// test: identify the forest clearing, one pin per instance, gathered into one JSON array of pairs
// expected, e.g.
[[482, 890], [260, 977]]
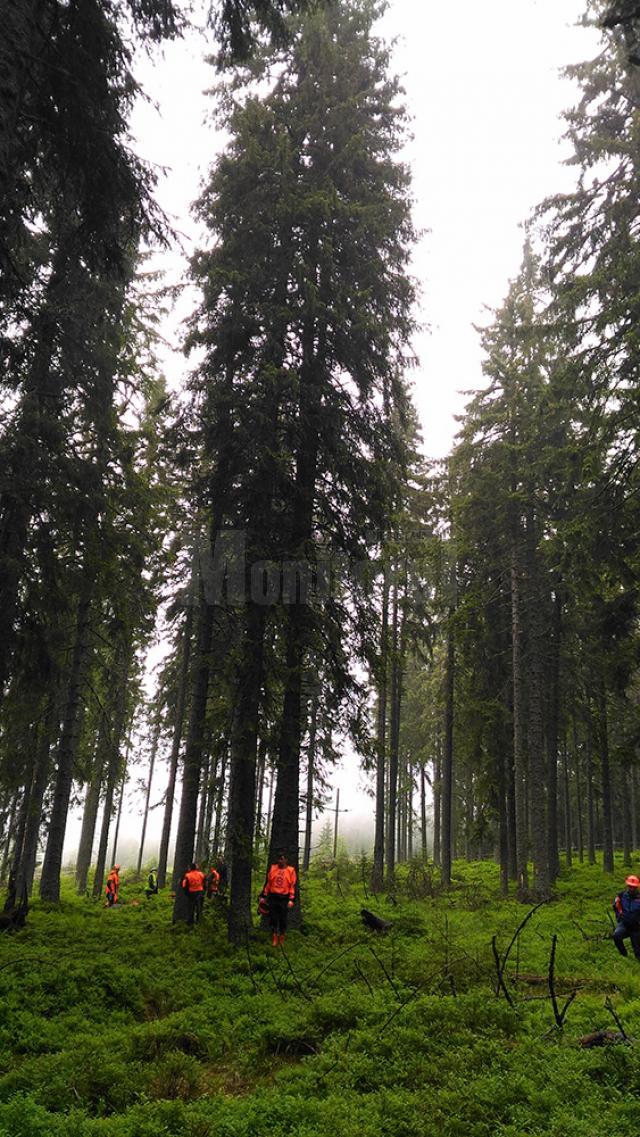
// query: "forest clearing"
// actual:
[[115, 1023]]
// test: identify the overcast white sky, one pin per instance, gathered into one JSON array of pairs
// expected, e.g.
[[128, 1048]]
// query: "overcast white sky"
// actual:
[[483, 87]]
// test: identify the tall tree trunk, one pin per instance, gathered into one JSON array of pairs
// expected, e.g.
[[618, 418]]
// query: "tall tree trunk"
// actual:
[[568, 839], [211, 801], [242, 789], [625, 810], [552, 739], [147, 797], [634, 806], [590, 779], [26, 869], [437, 801], [535, 734], [605, 774], [10, 836], [392, 782], [579, 806], [67, 747], [377, 874], [185, 837], [175, 748], [423, 812], [116, 715], [300, 618], [90, 816], [311, 761], [116, 835], [220, 799], [447, 760], [519, 743], [205, 794]]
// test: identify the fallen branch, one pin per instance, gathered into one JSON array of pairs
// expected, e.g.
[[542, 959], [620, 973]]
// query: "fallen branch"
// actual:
[[386, 973], [558, 1014], [295, 977], [256, 988], [502, 963], [612, 1011], [500, 973]]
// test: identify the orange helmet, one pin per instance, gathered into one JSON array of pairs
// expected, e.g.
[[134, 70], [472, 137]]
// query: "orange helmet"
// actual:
[[633, 881]]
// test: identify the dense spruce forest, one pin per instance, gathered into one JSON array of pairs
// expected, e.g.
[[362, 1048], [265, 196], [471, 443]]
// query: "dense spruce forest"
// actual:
[[467, 627], [470, 625]]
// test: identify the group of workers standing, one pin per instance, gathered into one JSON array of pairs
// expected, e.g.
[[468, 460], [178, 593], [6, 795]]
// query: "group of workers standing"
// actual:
[[278, 896], [196, 885], [276, 899]]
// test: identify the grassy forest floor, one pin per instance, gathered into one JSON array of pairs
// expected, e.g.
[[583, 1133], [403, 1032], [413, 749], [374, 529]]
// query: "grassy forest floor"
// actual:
[[112, 1022]]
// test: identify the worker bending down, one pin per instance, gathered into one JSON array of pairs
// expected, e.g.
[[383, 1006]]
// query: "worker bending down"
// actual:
[[113, 886], [627, 909], [280, 891]]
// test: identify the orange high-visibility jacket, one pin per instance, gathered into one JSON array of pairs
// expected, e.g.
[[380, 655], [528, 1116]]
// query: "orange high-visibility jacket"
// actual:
[[113, 881], [193, 880], [214, 879], [281, 881]]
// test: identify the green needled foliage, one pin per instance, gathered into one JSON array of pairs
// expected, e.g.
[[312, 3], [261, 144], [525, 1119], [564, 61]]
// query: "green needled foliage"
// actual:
[[304, 326]]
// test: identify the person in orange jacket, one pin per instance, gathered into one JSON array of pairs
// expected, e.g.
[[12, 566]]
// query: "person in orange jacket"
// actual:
[[212, 882], [280, 891], [113, 886], [193, 887]]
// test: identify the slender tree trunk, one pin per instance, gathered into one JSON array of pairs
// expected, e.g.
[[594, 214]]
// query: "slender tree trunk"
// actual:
[[115, 716], [625, 810], [377, 874], [242, 790], [147, 798], [52, 865], [175, 748], [90, 817], [519, 745], [26, 869], [423, 812], [552, 740], [579, 806], [437, 802], [590, 778], [311, 761], [447, 762], [220, 799], [392, 803], [205, 794], [211, 801], [535, 735], [634, 807], [116, 835], [568, 839], [605, 773], [10, 836], [185, 837]]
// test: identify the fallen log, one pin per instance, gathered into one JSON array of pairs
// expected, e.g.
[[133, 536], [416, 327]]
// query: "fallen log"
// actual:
[[370, 920], [602, 1038]]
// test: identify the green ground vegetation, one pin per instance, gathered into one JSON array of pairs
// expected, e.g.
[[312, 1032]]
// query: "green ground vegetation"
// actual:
[[115, 1023]]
